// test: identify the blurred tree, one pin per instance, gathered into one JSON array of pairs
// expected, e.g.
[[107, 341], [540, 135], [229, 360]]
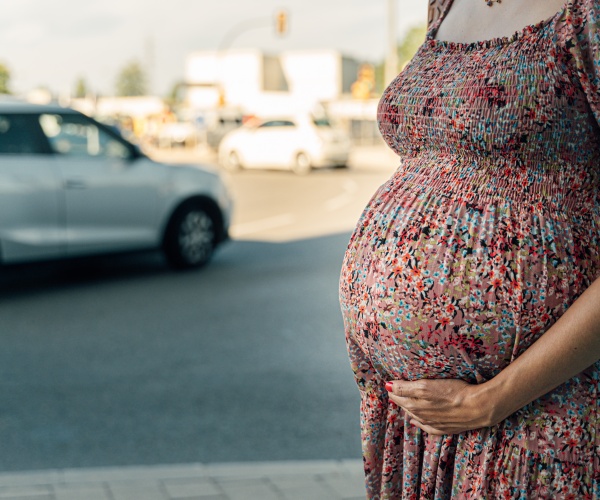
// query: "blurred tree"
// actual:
[[175, 96], [132, 81], [410, 44], [407, 48], [4, 79], [81, 88]]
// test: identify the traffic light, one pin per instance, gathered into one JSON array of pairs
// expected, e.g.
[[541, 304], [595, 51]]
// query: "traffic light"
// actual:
[[281, 22], [363, 87]]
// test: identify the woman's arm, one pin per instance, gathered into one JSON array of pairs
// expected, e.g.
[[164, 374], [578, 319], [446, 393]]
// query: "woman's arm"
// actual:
[[570, 346]]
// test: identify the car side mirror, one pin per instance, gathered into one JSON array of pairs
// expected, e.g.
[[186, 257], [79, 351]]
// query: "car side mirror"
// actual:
[[135, 153]]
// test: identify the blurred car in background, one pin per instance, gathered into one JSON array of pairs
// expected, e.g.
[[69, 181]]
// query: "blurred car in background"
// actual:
[[221, 123], [297, 143], [177, 134], [70, 186]]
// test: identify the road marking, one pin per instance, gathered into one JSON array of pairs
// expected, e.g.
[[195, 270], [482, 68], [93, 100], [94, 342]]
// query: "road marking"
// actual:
[[350, 188], [256, 226]]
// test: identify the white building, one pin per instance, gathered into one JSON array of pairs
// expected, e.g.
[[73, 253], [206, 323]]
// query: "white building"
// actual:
[[262, 84]]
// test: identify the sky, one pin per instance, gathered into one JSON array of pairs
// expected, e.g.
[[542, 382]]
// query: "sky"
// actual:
[[52, 43]]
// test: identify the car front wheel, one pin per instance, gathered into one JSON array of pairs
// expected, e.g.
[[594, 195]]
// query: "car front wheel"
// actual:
[[191, 237], [232, 161], [302, 164]]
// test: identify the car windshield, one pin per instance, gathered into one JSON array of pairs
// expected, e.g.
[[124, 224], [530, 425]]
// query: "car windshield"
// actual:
[[321, 122]]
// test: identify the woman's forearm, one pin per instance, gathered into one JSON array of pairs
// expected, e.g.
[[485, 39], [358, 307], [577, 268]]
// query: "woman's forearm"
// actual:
[[570, 346]]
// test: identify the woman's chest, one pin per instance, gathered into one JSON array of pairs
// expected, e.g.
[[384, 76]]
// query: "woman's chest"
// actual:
[[512, 97]]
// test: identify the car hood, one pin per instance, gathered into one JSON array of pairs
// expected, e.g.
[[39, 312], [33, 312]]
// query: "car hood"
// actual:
[[193, 169]]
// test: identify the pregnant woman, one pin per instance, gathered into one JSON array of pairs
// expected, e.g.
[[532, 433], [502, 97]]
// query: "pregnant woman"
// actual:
[[470, 290]]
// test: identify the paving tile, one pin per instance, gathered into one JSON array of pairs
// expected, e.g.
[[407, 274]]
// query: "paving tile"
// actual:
[[271, 469], [100, 474], [249, 489], [137, 490], [346, 485], [81, 492], [37, 497], [303, 488], [30, 478], [353, 466], [191, 488], [25, 492], [210, 497]]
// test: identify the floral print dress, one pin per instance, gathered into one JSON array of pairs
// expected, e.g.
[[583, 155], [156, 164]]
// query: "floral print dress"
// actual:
[[483, 237]]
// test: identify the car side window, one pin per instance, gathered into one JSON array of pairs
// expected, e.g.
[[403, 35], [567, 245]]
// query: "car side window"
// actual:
[[321, 122], [20, 134], [278, 123], [75, 135]]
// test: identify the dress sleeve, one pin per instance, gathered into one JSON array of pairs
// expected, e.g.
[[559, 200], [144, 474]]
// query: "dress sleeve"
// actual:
[[583, 20]]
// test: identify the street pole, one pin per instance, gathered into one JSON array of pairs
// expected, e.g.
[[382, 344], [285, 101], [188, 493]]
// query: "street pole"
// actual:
[[227, 42], [391, 61]]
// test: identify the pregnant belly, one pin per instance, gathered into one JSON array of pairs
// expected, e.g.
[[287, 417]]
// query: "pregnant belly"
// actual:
[[434, 288]]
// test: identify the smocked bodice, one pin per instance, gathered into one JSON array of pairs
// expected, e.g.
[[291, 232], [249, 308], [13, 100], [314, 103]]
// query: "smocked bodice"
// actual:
[[516, 114]]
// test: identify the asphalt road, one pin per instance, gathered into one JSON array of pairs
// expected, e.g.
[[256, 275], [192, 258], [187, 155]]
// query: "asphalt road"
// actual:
[[120, 361]]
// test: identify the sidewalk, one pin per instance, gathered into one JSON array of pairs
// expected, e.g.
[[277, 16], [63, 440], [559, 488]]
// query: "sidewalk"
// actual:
[[293, 480]]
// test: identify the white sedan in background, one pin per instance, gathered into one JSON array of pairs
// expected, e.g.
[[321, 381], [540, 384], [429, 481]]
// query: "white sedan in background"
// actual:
[[70, 186], [291, 143]]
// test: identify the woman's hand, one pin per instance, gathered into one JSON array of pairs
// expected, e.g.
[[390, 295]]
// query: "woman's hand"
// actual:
[[449, 406], [444, 406]]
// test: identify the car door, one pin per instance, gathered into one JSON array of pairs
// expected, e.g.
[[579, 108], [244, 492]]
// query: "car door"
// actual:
[[253, 144], [273, 143], [111, 194], [31, 216], [287, 144]]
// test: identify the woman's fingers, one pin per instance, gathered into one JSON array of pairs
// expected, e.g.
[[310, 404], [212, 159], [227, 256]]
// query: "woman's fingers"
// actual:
[[405, 389], [427, 423], [443, 406]]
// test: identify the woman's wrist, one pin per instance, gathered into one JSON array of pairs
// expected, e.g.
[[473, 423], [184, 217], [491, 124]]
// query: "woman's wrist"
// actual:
[[495, 400]]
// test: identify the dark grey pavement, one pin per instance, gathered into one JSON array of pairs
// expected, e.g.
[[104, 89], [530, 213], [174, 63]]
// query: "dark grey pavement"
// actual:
[[123, 362]]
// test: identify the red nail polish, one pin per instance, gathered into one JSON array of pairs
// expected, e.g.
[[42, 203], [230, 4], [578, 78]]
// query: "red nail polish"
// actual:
[[389, 387]]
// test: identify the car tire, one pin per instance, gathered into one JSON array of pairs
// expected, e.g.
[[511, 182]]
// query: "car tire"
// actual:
[[232, 161], [302, 164], [191, 237]]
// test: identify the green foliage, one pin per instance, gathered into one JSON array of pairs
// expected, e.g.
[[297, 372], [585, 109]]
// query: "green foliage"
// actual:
[[407, 48], [175, 96], [132, 81], [4, 79], [81, 88], [413, 39]]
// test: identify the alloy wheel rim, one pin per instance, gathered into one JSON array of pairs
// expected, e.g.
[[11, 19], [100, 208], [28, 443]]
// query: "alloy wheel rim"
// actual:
[[302, 163], [233, 161], [196, 236]]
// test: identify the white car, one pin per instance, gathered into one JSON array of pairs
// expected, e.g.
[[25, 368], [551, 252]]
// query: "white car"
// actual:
[[70, 186], [297, 143], [177, 134]]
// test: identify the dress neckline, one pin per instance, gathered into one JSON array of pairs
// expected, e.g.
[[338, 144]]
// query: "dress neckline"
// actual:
[[491, 42]]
